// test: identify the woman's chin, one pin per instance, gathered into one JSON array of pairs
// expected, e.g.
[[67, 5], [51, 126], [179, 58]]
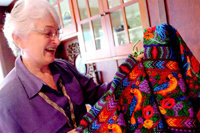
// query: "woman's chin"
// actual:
[[50, 59]]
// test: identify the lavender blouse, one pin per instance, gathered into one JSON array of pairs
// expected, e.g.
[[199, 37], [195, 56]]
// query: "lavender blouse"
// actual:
[[23, 110]]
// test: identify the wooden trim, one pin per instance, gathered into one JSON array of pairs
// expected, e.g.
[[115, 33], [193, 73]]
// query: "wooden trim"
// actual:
[[74, 24], [76, 11], [89, 19], [57, 2], [157, 11], [105, 3], [92, 34], [130, 2], [101, 8], [125, 23], [88, 9], [90, 23], [162, 11], [59, 9], [144, 13], [110, 33], [66, 37], [72, 12]]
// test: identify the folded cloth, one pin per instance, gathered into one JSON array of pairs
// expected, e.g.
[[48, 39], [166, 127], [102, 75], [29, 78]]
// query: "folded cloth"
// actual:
[[159, 94]]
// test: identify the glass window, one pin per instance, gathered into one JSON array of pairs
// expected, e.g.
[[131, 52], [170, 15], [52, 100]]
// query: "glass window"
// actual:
[[82, 9], [98, 33], [94, 7], [134, 22], [87, 37], [57, 10], [127, 1], [113, 3], [66, 14], [52, 1], [118, 28]]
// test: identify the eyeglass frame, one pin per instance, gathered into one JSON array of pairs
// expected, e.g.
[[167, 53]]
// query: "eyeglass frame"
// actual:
[[53, 34]]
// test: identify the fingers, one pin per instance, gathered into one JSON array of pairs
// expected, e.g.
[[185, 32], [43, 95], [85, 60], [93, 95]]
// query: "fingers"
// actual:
[[140, 57], [72, 131]]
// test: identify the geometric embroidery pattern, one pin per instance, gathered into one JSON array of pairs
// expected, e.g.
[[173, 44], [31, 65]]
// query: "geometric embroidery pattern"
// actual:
[[159, 94], [161, 64]]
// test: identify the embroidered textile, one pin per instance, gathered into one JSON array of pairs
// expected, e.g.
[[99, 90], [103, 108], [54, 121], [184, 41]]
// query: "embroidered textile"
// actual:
[[159, 94]]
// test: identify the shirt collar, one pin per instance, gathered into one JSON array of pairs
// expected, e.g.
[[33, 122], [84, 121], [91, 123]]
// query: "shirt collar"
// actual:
[[31, 83]]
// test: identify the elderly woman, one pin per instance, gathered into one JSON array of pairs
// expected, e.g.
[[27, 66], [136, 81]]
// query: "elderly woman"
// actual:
[[41, 93]]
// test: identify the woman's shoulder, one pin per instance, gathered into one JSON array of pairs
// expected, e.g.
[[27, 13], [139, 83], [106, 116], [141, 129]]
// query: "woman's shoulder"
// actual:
[[9, 83], [62, 62], [11, 90], [66, 66]]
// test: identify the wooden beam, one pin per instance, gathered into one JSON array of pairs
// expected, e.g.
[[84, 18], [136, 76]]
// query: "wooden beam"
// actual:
[[157, 12], [162, 11]]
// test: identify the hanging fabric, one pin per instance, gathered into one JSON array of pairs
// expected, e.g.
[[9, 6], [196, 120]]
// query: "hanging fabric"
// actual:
[[159, 94]]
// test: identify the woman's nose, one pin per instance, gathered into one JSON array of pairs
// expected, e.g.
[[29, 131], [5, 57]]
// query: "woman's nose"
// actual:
[[56, 40]]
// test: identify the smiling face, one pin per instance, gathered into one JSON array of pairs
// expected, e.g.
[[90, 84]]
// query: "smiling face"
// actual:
[[38, 48]]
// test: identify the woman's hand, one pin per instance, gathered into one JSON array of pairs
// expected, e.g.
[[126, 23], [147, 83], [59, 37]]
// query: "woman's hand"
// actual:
[[140, 57], [72, 131]]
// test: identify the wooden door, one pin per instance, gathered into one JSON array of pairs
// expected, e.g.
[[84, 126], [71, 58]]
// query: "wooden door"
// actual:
[[93, 35], [126, 20]]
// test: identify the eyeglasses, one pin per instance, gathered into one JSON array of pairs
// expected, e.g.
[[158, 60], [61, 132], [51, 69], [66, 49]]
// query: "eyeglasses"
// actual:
[[50, 32]]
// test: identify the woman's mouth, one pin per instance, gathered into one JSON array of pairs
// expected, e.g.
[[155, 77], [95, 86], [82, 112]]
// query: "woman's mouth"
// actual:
[[50, 50]]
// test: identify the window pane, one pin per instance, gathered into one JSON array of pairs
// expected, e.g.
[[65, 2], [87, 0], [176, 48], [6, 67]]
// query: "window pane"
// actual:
[[98, 33], [134, 22], [127, 1], [66, 14], [94, 7], [113, 3], [87, 37], [118, 28], [82, 9], [57, 10], [52, 1]]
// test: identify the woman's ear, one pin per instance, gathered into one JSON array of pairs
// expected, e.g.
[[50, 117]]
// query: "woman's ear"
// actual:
[[18, 41]]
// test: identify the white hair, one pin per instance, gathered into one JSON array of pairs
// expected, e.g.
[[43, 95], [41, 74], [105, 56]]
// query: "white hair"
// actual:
[[20, 20]]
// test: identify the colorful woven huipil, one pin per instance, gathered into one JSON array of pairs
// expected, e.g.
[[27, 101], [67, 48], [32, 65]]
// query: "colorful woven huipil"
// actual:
[[159, 94]]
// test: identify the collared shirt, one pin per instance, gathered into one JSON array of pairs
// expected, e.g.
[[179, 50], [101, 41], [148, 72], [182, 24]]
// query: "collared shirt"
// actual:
[[23, 110]]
